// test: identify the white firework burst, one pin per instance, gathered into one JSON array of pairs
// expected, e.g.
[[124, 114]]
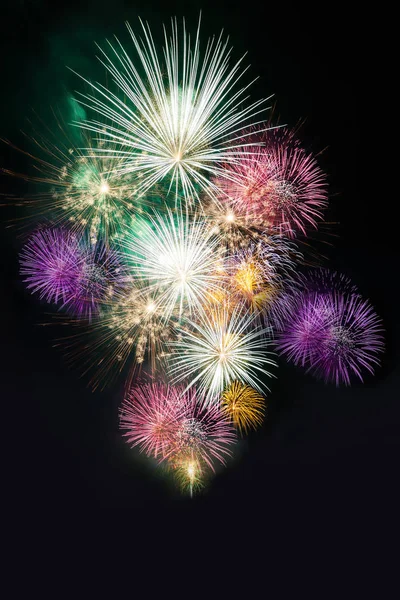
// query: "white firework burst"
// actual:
[[217, 349], [178, 258], [180, 117]]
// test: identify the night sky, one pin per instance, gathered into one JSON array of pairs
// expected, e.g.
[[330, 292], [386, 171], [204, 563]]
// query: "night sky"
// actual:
[[326, 459]]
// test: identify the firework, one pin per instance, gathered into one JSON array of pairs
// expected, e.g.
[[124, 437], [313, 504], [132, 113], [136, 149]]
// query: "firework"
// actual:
[[178, 119], [102, 277], [80, 187], [354, 342], [334, 335], [178, 259], [130, 329], [212, 352], [66, 270], [204, 436], [306, 328], [52, 263], [244, 406], [151, 416], [277, 188]]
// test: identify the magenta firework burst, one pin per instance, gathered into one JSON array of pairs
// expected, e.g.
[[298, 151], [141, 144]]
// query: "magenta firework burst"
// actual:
[[205, 432], [278, 187], [151, 416]]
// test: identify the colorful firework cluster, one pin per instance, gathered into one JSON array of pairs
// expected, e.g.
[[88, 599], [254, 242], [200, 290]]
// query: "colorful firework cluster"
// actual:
[[173, 234]]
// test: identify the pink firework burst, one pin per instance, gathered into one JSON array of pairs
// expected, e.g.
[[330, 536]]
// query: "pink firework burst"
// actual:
[[168, 423], [205, 433], [151, 416], [277, 187]]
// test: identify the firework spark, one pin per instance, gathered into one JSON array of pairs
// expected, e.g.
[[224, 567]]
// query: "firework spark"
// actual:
[[179, 119]]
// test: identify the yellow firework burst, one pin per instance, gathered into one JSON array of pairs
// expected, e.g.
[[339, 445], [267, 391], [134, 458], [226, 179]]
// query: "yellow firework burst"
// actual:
[[244, 405]]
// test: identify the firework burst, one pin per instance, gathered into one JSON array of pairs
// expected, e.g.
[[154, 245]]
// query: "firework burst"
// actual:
[[151, 416], [212, 352], [354, 341], [68, 271], [277, 188], [52, 263], [334, 335], [80, 187], [181, 118], [178, 259], [243, 405]]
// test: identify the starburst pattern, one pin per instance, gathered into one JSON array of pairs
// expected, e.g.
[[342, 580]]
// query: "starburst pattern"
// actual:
[[51, 263], [244, 406], [177, 257], [212, 352], [278, 188], [181, 118]]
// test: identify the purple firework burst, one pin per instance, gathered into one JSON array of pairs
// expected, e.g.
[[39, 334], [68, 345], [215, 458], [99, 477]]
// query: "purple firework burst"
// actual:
[[51, 263], [101, 277], [354, 342], [306, 329], [67, 270], [333, 335]]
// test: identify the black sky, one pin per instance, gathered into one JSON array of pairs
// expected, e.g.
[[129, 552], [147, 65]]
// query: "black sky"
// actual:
[[326, 460]]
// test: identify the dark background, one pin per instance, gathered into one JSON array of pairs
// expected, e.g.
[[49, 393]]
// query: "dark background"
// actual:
[[325, 464]]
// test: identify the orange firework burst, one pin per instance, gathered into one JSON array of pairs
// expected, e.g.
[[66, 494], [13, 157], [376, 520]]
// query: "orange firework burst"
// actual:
[[245, 406]]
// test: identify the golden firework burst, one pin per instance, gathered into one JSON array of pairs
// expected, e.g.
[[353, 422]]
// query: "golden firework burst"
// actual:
[[244, 405]]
